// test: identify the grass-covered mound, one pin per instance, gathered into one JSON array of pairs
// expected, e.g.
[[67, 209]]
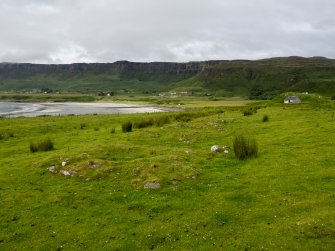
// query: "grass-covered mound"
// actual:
[[102, 191]]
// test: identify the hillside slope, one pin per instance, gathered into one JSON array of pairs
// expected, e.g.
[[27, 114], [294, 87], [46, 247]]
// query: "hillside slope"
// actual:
[[257, 79]]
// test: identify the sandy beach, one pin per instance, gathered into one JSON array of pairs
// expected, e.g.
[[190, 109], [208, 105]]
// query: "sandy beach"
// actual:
[[13, 109]]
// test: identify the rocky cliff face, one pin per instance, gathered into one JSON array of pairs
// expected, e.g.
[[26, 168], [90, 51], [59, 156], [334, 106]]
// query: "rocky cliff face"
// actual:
[[117, 67]]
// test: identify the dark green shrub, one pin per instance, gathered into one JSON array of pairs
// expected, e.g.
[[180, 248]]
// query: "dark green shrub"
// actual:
[[82, 125], [127, 126], [113, 130], [245, 147], [265, 118], [44, 145]]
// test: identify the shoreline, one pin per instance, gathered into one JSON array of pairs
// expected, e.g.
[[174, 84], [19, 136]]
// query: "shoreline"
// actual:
[[36, 109]]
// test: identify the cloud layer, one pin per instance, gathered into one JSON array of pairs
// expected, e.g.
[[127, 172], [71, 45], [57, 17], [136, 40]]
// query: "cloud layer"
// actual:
[[67, 31]]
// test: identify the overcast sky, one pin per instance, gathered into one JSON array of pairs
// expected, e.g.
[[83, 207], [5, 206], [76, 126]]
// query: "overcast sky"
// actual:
[[67, 31]]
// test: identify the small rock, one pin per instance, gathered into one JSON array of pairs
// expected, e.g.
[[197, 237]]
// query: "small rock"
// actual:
[[95, 166], [175, 182], [65, 172], [64, 163], [152, 185], [53, 169], [216, 148], [14, 218], [68, 173], [226, 151]]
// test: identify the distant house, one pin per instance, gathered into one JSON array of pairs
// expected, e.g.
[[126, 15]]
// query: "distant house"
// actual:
[[292, 99]]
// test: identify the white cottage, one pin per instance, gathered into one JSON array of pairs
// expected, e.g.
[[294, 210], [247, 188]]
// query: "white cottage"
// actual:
[[292, 99]]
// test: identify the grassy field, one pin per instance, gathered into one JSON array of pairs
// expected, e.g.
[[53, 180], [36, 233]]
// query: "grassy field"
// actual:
[[282, 199]]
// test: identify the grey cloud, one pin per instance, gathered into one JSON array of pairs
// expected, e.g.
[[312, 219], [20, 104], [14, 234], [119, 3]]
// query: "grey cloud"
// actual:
[[65, 31]]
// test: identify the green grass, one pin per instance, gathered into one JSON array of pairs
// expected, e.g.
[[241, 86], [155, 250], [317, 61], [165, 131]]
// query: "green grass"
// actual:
[[283, 199]]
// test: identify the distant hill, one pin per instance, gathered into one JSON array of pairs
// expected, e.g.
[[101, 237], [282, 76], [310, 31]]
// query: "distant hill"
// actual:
[[257, 79]]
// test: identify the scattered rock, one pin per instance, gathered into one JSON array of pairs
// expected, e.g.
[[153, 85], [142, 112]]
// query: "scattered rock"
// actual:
[[53, 169], [14, 218], [216, 148], [65, 172], [64, 163], [68, 173], [175, 182], [152, 185], [95, 166]]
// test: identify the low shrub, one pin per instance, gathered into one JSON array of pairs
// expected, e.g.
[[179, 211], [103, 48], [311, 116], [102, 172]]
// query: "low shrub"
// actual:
[[247, 112], [113, 130], [127, 126], [250, 111], [265, 118], [143, 123], [44, 145], [245, 147], [82, 125], [161, 120]]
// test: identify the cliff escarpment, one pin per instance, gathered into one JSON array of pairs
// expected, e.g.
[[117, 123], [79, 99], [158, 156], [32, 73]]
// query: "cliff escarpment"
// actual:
[[258, 79]]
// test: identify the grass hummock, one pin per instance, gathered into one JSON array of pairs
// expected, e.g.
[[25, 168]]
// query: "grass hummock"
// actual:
[[44, 145], [245, 147]]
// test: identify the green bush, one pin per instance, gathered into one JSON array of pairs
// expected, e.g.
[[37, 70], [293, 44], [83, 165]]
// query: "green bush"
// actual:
[[265, 118], [44, 145], [245, 147], [113, 130], [127, 126]]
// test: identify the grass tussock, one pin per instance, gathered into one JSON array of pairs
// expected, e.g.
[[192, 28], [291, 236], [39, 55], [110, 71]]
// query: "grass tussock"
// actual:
[[250, 111], [142, 123], [127, 126], [42, 146], [245, 147], [265, 118]]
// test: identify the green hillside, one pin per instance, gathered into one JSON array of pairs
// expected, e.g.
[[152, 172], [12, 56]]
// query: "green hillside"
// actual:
[[256, 79]]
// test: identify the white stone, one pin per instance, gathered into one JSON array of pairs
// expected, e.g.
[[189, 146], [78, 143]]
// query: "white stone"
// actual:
[[64, 163], [65, 172], [216, 148], [53, 169], [152, 185]]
